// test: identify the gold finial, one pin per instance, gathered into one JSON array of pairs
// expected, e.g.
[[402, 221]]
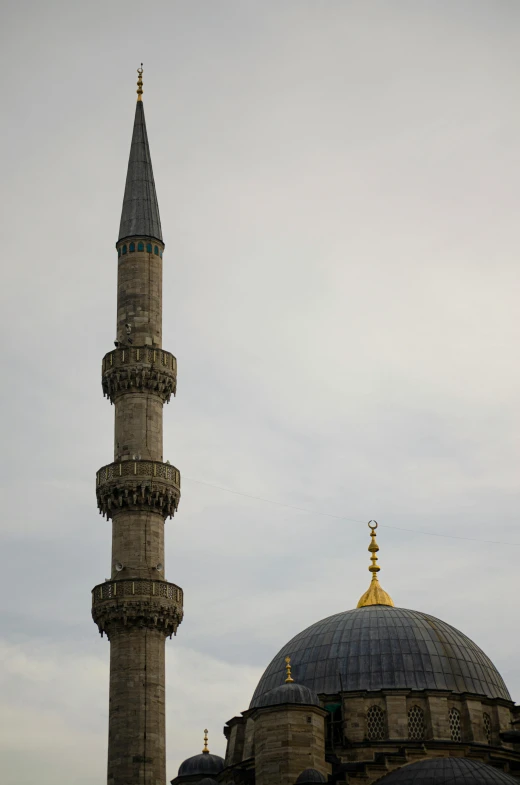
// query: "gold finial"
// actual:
[[375, 594], [205, 750], [139, 90], [289, 679]]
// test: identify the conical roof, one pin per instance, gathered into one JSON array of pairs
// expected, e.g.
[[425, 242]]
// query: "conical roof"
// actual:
[[140, 214]]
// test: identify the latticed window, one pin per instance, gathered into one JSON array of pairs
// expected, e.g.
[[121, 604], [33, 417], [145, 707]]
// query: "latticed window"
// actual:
[[376, 723], [455, 730], [416, 724], [487, 727]]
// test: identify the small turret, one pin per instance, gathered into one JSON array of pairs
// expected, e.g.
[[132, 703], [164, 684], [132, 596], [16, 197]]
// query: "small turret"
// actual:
[[289, 732]]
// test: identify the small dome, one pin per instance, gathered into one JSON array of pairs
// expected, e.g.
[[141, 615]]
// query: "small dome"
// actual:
[[204, 763], [310, 776], [288, 693], [445, 771], [380, 647]]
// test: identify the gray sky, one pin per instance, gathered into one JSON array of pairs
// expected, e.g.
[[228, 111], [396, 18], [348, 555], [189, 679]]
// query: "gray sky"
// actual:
[[339, 193]]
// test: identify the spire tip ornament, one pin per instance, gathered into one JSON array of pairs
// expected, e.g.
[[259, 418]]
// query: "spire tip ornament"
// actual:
[[139, 90], [289, 679], [205, 748], [375, 594]]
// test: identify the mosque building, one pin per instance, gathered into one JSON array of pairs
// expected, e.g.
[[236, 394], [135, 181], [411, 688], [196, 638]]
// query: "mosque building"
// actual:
[[373, 694]]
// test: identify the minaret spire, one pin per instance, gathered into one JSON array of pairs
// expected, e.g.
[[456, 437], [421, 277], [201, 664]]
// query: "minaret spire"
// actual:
[[137, 608], [375, 594], [140, 213]]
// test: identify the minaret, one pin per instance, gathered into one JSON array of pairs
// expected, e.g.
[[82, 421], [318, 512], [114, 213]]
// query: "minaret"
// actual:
[[137, 608]]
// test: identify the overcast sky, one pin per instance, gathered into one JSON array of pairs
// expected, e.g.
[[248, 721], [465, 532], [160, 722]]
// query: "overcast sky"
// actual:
[[339, 192]]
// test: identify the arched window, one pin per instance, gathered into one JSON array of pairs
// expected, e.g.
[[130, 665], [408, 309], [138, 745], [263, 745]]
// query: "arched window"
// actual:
[[132, 247], [455, 730], [140, 247], [487, 727], [149, 247], [160, 254], [376, 723], [124, 248], [156, 250], [416, 724]]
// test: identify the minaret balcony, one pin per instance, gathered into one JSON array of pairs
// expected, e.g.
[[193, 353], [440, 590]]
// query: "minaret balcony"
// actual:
[[138, 601], [138, 484], [141, 368]]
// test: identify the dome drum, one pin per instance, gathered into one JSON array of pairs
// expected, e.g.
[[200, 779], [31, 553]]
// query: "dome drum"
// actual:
[[428, 715]]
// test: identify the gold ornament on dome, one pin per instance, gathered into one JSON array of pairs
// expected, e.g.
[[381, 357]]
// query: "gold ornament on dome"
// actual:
[[205, 748], [289, 679], [375, 595]]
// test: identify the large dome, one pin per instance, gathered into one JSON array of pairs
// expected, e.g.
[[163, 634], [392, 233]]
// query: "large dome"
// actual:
[[448, 771], [380, 647]]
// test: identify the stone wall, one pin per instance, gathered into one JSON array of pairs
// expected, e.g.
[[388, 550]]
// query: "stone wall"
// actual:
[[446, 716], [287, 740]]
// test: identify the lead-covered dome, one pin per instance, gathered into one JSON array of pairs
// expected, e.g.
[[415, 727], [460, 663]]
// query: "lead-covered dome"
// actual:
[[288, 693], [204, 764], [447, 771], [380, 647], [310, 776]]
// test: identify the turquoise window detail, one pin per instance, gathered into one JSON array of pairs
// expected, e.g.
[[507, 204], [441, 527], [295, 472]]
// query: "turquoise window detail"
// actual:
[[124, 248], [160, 254], [140, 247], [132, 247], [149, 247], [156, 251]]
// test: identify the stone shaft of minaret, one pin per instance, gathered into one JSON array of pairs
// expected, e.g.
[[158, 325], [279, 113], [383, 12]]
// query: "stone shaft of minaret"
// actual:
[[137, 608]]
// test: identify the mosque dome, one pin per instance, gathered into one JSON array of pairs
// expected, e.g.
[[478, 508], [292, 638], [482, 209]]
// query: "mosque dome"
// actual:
[[208, 781], [445, 771], [204, 763], [380, 647], [377, 646], [310, 776], [288, 693]]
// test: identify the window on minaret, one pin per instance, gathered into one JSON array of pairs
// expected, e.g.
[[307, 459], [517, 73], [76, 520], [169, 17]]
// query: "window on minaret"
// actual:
[[376, 724], [132, 247], [124, 248], [156, 251], [416, 724], [455, 728], [140, 247], [119, 251], [149, 247]]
